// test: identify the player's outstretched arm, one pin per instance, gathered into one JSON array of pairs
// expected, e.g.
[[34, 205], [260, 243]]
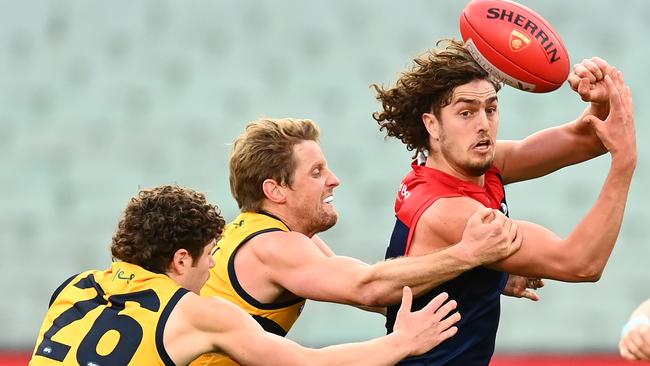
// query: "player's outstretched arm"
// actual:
[[295, 263], [581, 257], [217, 325], [554, 148], [635, 340]]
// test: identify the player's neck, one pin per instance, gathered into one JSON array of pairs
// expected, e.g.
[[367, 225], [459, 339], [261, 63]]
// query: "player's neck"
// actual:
[[443, 165], [289, 220]]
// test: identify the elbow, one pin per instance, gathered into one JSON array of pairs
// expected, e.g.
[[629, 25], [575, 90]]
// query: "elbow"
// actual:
[[591, 273], [371, 296], [589, 276], [374, 292], [578, 267]]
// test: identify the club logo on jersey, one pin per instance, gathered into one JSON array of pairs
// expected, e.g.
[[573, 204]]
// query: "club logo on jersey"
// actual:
[[518, 40], [121, 276]]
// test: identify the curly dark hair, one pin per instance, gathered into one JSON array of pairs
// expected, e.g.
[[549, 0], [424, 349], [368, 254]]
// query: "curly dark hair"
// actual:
[[426, 88], [159, 221]]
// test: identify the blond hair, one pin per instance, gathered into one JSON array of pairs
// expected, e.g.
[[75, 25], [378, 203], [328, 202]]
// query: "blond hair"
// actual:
[[265, 151]]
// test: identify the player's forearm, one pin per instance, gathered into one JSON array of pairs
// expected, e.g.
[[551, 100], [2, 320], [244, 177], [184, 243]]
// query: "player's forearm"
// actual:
[[373, 309], [382, 283], [552, 149], [589, 246], [387, 350], [272, 350], [573, 142]]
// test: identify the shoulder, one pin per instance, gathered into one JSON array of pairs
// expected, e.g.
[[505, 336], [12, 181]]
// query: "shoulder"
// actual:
[[195, 314], [281, 254], [197, 325], [448, 217], [58, 290], [193, 309], [447, 209], [66, 284], [280, 244]]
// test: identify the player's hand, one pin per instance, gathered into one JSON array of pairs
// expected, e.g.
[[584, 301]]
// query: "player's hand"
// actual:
[[635, 344], [424, 329], [588, 80], [490, 236], [617, 132], [518, 286]]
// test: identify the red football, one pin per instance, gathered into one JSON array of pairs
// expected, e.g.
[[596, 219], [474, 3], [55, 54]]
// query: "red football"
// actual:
[[515, 44]]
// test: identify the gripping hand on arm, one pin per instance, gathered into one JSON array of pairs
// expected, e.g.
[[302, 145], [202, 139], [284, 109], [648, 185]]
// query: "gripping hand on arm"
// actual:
[[490, 236]]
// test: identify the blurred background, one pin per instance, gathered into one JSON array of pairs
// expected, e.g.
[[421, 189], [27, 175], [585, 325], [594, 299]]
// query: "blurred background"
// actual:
[[102, 98]]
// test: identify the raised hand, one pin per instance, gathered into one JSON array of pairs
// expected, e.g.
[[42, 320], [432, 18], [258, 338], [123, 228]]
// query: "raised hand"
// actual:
[[588, 80], [424, 329], [617, 132], [635, 344], [635, 339]]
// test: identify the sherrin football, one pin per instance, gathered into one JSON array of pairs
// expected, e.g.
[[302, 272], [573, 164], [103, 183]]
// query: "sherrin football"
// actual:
[[515, 45]]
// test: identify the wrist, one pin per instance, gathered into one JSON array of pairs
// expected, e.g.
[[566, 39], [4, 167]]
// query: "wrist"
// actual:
[[466, 257], [600, 110], [634, 322], [624, 163], [400, 342]]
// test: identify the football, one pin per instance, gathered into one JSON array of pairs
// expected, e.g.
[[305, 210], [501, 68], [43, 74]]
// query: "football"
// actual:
[[515, 45]]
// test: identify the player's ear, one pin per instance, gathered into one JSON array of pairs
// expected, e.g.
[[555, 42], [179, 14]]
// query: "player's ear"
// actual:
[[181, 261], [432, 125], [274, 191]]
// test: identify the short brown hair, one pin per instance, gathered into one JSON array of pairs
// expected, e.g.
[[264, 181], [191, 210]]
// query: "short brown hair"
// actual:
[[426, 87], [159, 221], [265, 151]]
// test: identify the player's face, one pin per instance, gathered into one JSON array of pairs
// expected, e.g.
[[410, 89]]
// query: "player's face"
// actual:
[[468, 128], [312, 193], [199, 272]]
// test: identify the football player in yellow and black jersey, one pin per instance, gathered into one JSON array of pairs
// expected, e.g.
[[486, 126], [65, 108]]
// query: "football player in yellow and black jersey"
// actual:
[[270, 259], [145, 309]]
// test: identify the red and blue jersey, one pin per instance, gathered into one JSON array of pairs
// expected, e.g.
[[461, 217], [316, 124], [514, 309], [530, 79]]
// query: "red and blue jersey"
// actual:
[[477, 291]]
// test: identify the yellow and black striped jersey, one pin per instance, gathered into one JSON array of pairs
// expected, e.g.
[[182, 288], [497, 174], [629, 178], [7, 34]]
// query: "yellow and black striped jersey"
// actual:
[[273, 317], [112, 317]]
